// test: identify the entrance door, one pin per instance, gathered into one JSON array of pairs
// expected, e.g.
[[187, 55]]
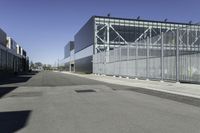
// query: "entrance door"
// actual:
[[72, 68]]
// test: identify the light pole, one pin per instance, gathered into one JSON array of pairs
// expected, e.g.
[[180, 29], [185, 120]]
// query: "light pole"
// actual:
[[58, 64]]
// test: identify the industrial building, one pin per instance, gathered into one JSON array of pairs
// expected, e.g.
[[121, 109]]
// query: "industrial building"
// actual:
[[136, 48], [69, 57], [13, 58]]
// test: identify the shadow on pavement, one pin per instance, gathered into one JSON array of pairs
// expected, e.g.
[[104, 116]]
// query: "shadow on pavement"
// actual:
[[6, 90], [16, 78], [13, 121], [30, 73]]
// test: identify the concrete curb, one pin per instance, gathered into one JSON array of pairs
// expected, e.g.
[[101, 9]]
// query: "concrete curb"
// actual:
[[171, 96]]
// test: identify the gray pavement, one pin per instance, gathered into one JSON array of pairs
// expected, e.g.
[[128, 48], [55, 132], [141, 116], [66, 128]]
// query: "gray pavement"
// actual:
[[186, 93], [49, 102]]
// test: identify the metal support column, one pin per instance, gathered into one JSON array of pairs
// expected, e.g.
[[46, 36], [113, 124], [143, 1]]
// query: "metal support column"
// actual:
[[147, 60], [127, 63], [107, 51], [120, 60], [177, 55], [114, 59], [162, 57], [96, 66], [95, 38], [108, 37], [136, 61]]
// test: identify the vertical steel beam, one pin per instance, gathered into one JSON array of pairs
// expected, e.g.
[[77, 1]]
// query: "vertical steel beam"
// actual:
[[177, 55], [187, 30], [136, 60], [162, 57], [147, 57], [104, 57], [114, 60], [128, 59], [150, 34], [107, 48], [120, 59], [108, 41], [95, 37], [108, 36], [94, 46]]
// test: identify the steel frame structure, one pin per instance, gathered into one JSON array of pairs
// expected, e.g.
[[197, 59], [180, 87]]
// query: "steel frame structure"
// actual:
[[167, 39], [104, 43]]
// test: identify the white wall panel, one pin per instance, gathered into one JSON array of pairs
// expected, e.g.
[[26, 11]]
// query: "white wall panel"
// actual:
[[84, 53]]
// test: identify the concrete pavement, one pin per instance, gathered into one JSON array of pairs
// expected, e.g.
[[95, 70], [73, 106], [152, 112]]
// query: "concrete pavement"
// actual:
[[188, 93], [45, 107]]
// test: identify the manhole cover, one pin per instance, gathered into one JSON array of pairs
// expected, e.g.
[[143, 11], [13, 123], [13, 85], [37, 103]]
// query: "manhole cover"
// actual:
[[85, 91], [25, 94]]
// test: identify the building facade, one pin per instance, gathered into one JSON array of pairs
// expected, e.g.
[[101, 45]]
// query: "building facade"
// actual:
[[139, 48], [68, 61], [13, 58]]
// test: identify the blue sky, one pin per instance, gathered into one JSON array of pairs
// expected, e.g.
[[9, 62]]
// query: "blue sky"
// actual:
[[43, 27]]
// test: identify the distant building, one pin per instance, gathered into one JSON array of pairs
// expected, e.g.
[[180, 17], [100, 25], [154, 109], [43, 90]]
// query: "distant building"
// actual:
[[69, 59]]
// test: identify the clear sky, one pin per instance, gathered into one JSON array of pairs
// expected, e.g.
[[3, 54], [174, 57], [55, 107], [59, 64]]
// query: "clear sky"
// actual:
[[43, 27]]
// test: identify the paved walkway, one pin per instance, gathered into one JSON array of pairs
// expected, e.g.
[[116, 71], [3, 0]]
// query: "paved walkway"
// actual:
[[190, 90]]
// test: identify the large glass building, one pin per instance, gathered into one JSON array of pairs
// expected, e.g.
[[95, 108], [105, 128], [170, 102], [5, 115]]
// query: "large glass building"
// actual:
[[138, 48]]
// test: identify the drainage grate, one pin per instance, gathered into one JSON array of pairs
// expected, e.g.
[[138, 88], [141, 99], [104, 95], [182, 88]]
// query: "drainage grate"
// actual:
[[25, 94], [85, 91]]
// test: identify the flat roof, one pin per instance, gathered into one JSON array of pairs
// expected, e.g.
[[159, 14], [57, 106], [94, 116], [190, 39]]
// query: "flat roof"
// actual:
[[143, 20]]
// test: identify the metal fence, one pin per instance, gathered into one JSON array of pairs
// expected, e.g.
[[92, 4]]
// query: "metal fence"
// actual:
[[172, 55]]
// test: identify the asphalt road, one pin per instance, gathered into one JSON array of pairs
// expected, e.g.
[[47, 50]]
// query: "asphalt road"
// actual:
[[51, 102]]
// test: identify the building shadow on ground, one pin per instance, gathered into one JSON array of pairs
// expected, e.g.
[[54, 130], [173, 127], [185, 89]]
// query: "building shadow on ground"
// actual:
[[13, 121], [6, 90], [20, 78]]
